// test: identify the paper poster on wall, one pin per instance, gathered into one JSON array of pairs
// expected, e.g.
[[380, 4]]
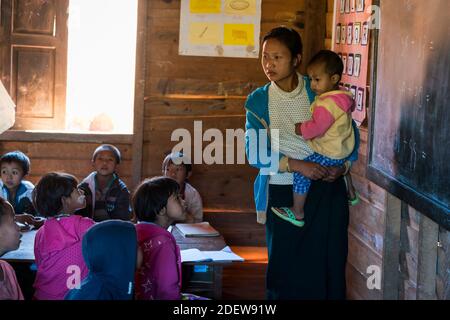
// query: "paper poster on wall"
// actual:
[[220, 28], [351, 41]]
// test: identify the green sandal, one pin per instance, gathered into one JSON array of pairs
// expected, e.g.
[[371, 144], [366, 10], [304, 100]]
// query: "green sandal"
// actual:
[[354, 201], [287, 215]]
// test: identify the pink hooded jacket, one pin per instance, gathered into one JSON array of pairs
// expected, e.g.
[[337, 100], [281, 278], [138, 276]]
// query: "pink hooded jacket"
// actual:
[[57, 247], [159, 278]]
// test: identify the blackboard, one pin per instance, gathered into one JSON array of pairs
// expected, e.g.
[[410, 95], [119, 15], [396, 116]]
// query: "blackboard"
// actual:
[[409, 148]]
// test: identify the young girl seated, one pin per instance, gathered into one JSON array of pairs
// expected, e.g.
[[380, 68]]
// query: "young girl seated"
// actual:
[[57, 246], [111, 255], [9, 241], [156, 203], [178, 166]]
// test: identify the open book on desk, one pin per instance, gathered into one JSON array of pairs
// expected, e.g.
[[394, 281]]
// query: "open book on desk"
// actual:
[[195, 255], [202, 229]]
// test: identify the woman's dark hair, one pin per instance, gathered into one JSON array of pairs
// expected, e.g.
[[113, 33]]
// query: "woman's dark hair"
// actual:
[[151, 197], [110, 148], [333, 64], [289, 37], [18, 157], [50, 190], [4, 205]]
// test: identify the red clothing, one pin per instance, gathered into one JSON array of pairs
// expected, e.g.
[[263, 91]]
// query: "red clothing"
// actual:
[[57, 246], [9, 287], [159, 278]]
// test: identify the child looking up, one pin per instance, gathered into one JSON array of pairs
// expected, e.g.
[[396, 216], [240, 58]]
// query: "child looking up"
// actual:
[[157, 204], [57, 246], [110, 251], [15, 166], [9, 241], [107, 196], [329, 133], [178, 166]]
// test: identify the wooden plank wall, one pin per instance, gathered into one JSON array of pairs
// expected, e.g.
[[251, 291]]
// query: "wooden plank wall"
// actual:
[[182, 89], [70, 157]]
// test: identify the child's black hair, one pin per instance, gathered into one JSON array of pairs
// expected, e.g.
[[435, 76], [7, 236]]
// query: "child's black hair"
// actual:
[[289, 37], [4, 205], [151, 197], [107, 147], [177, 158], [19, 157], [333, 64], [50, 190]]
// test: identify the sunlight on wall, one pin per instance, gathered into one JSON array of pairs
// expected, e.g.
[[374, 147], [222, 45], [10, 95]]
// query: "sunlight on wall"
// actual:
[[101, 65]]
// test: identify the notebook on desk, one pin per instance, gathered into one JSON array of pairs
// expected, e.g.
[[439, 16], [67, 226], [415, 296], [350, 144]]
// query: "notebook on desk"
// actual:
[[202, 229], [195, 255]]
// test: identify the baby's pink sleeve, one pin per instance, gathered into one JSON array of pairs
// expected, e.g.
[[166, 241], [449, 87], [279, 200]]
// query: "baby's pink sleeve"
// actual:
[[321, 121]]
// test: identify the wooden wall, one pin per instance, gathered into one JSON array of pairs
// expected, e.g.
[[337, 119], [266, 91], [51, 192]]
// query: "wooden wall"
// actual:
[[65, 154]]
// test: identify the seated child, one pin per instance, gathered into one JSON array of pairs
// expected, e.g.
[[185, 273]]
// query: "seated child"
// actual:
[[329, 133], [9, 241], [177, 166], [107, 196], [15, 166], [57, 245], [110, 251], [157, 204]]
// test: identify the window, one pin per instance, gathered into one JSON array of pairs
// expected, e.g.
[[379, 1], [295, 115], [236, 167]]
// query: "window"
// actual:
[[74, 74]]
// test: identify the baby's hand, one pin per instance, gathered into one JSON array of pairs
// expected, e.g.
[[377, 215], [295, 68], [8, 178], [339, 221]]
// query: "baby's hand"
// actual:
[[298, 130]]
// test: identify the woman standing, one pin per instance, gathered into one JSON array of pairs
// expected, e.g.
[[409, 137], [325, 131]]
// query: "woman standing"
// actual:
[[307, 262]]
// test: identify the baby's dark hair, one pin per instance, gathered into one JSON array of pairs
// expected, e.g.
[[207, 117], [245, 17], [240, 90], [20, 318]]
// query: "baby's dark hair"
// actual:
[[50, 190], [107, 147], [177, 158], [151, 197], [333, 64], [289, 37], [18, 157], [4, 205]]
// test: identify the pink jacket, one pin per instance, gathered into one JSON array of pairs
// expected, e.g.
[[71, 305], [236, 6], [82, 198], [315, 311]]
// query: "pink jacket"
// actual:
[[57, 247], [159, 278], [9, 287]]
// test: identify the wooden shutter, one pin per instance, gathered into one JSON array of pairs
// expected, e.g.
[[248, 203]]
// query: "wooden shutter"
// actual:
[[33, 53]]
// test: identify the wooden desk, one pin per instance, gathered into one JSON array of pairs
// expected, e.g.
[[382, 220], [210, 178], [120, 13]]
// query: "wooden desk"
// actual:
[[202, 278], [25, 253]]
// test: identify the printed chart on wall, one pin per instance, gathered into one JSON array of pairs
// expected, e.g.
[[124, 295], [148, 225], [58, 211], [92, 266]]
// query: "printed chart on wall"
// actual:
[[351, 43], [220, 28]]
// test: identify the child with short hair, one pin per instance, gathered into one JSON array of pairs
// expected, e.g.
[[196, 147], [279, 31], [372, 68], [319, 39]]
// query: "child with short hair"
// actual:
[[107, 196], [157, 204], [9, 241], [15, 166], [178, 166], [57, 245], [110, 250], [330, 132]]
